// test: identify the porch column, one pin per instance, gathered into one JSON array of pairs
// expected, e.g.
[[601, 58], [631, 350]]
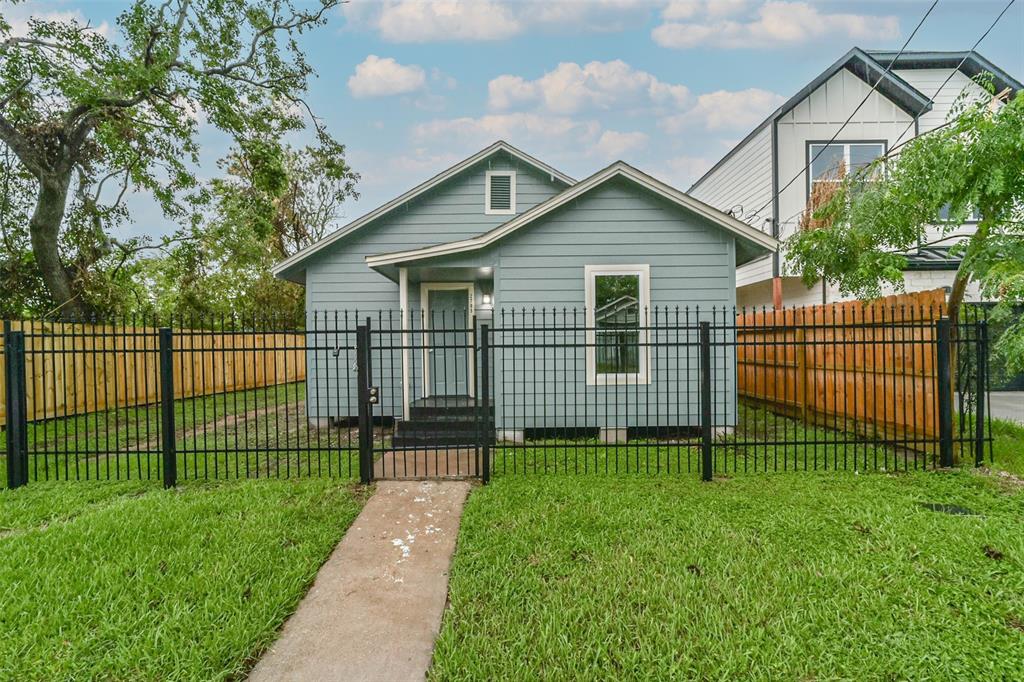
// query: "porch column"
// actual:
[[403, 303]]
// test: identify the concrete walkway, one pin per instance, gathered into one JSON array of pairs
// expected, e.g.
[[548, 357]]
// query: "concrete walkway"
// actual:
[[376, 605]]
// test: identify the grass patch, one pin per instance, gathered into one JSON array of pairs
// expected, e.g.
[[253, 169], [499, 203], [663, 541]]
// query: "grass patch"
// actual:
[[843, 576], [1008, 446], [124, 580]]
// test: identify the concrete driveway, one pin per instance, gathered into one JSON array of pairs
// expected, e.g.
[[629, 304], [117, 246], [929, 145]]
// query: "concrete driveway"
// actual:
[[1008, 405]]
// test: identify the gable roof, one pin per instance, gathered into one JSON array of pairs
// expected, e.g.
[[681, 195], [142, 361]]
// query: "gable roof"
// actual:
[[869, 65], [860, 64], [970, 63], [289, 265], [761, 242]]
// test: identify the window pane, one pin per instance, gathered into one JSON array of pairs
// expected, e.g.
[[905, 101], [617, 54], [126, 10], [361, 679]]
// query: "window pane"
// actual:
[[863, 154], [973, 216], [617, 319], [826, 166]]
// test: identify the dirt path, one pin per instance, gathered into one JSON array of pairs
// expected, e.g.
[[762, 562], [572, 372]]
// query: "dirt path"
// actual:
[[376, 605]]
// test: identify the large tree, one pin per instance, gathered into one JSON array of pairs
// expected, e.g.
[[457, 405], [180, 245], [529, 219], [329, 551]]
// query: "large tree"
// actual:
[[90, 118], [859, 238], [270, 202]]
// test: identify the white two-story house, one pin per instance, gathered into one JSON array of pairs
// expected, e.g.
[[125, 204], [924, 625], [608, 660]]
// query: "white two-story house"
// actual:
[[765, 180]]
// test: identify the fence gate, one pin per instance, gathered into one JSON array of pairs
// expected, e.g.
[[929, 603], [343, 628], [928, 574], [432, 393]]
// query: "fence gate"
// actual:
[[423, 413]]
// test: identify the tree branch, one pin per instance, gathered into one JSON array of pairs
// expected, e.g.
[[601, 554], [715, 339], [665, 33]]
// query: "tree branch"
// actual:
[[21, 147], [296, 20]]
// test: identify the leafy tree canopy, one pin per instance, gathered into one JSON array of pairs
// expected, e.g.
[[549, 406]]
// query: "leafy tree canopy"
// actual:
[[271, 202], [890, 209], [86, 119]]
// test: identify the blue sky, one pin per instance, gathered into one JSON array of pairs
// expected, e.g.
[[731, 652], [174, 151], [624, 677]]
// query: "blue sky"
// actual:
[[412, 87]]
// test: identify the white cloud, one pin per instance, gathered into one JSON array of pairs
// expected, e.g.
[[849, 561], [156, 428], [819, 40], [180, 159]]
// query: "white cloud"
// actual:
[[682, 171], [571, 88], [687, 9], [475, 132], [420, 21], [615, 145], [776, 23], [18, 17], [615, 86], [725, 110], [381, 77], [416, 21], [438, 76]]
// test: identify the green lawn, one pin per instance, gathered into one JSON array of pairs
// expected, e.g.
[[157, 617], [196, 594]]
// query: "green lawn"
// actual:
[[126, 581], [1008, 446], [779, 576]]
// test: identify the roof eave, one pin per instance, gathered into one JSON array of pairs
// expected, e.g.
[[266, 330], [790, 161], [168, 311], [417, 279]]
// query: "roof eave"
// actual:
[[281, 268], [752, 236]]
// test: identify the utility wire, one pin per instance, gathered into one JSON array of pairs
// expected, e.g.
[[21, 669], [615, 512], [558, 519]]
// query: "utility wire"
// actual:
[[910, 125], [949, 78], [854, 112]]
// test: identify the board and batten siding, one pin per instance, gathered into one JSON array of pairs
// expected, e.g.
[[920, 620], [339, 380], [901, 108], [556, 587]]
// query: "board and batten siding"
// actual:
[[817, 118], [929, 82], [744, 180], [338, 279], [541, 266]]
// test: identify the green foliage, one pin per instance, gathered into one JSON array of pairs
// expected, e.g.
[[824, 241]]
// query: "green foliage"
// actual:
[[272, 201], [975, 160], [90, 119]]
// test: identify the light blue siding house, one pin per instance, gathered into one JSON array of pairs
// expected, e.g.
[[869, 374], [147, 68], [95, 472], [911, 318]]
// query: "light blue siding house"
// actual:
[[503, 231]]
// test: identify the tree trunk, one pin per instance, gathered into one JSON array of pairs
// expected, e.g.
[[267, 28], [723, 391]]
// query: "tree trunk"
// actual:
[[963, 275], [44, 229]]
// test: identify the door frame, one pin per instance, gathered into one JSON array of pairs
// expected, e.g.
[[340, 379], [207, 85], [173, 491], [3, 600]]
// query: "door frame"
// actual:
[[425, 289]]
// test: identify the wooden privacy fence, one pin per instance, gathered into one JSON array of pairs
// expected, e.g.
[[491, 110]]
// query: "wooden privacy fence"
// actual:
[[81, 368], [851, 365]]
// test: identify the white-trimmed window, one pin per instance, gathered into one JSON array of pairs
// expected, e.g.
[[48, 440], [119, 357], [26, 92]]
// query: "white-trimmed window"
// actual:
[[974, 217], [500, 193], [617, 300], [830, 163]]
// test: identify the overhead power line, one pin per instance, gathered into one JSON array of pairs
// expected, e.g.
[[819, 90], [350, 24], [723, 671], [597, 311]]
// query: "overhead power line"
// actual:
[[853, 113]]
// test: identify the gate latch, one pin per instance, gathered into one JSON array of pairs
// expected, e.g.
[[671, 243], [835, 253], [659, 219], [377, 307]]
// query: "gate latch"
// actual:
[[374, 395]]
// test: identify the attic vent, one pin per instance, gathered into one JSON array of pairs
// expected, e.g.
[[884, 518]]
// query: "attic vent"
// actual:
[[500, 193]]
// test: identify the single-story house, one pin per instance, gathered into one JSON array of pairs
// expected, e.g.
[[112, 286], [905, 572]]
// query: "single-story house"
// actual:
[[504, 231]]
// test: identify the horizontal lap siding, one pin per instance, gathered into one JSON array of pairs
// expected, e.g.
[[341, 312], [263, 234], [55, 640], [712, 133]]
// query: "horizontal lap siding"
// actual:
[[744, 180], [340, 280], [542, 267]]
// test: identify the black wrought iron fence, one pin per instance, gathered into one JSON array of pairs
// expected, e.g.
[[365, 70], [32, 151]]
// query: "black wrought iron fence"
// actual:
[[422, 395]]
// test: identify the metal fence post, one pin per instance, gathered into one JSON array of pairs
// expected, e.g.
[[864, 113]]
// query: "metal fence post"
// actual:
[[363, 395], [17, 412], [170, 455], [705, 400], [485, 400], [980, 391], [943, 356]]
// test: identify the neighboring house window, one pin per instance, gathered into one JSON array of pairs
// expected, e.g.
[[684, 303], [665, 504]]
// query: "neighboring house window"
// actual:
[[617, 300], [974, 217], [832, 162], [500, 193]]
